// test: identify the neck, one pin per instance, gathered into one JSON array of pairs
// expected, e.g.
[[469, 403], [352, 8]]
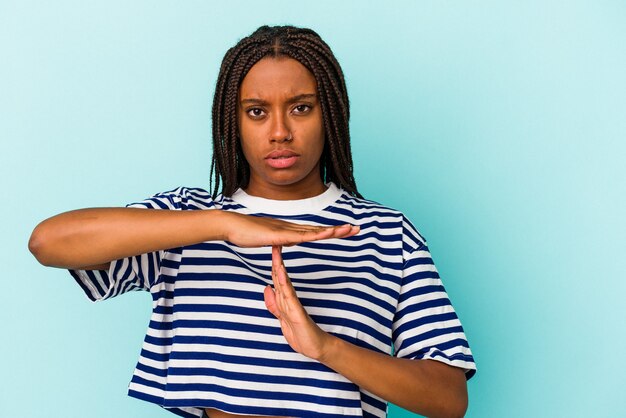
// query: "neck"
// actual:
[[303, 189]]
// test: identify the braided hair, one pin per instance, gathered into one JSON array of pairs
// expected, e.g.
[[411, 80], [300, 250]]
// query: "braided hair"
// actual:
[[229, 165]]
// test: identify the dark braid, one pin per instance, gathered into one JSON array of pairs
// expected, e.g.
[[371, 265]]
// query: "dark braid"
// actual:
[[229, 167]]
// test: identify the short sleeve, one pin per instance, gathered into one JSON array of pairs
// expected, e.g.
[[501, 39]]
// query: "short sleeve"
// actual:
[[124, 275], [138, 272], [425, 324]]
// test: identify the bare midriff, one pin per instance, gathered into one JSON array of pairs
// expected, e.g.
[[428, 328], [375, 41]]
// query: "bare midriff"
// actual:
[[214, 413]]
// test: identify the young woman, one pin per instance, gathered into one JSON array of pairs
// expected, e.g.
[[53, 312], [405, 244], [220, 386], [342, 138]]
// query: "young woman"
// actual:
[[284, 294]]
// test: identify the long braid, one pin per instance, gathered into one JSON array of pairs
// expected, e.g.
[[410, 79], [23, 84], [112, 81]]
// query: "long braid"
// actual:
[[337, 113], [229, 167], [225, 140], [328, 116]]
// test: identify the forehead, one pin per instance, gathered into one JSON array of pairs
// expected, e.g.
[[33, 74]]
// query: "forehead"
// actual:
[[277, 77]]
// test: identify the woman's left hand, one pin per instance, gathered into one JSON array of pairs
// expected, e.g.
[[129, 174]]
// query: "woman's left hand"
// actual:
[[427, 387], [302, 334]]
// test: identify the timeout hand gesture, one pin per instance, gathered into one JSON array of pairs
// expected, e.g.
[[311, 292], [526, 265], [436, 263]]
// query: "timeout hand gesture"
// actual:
[[255, 231], [302, 334]]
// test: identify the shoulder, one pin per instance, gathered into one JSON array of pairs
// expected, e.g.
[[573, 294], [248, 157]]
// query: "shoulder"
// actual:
[[180, 198], [364, 208]]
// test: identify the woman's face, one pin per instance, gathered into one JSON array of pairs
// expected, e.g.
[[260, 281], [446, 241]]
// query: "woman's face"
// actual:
[[281, 130]]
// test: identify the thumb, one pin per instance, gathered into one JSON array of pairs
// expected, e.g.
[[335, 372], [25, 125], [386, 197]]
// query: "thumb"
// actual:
[[270, 301]]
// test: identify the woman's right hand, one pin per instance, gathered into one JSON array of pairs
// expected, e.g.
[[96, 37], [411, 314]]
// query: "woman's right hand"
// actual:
[[91, 238], [254, 231]]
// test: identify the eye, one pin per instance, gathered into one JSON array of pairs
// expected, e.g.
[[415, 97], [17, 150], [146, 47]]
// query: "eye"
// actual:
[[255, 112], [301, 109]]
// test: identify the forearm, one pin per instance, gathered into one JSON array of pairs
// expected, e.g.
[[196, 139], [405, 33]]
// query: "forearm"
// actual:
[[427, 387], [87, 237]]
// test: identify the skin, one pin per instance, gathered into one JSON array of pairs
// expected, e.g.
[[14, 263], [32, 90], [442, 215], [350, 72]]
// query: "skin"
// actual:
[[277, 101], [276, 112], [268, 114], [427, 387]]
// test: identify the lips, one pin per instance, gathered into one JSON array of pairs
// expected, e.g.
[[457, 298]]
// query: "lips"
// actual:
[[281, 153], [281, 158]]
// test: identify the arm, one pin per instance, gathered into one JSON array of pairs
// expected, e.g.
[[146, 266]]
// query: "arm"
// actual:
[[91, 238], [426, 387]]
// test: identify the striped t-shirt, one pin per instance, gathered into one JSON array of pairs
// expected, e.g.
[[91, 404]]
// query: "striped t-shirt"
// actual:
[[212, 343]]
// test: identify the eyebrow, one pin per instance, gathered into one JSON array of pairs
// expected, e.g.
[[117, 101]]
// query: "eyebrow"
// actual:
[[290, 100]]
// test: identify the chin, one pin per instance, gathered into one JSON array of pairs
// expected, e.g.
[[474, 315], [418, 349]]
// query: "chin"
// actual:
[[284, 178], [284, 181]]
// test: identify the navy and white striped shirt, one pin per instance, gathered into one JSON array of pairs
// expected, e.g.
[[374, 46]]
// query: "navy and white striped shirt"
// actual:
[[212, 343]]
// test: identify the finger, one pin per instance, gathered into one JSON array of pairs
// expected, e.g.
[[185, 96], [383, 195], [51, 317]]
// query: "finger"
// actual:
[[287, 298], [344, 231], [316, 234], [281, 271], [277, 262], [307, 235], [270, 301], [277, 257], [354, 229], [339, 231], [302, 228]]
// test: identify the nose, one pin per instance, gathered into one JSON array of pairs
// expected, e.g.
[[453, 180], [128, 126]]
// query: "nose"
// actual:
[[280, 130]]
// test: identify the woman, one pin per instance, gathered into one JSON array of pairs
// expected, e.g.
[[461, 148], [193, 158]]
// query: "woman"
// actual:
[[236, 330]]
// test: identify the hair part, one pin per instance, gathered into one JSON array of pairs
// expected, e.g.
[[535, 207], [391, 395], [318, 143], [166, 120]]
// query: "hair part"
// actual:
[[229, 168]]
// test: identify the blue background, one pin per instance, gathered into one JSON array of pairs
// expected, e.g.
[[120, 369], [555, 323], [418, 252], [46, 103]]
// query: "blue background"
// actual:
[[497, 127]]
